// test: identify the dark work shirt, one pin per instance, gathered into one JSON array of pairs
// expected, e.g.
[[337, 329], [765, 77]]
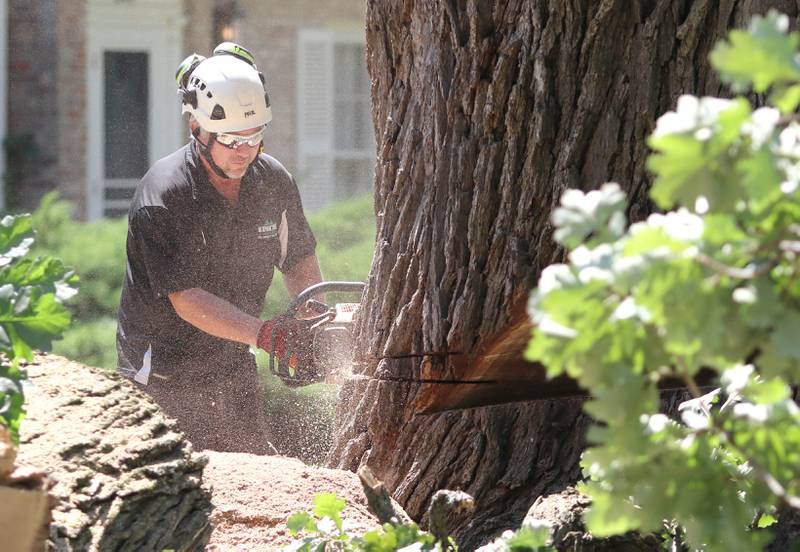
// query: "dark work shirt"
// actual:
[[183, 234]]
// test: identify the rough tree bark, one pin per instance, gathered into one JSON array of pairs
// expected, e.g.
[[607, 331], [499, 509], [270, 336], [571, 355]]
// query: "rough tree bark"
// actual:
[[485, 112], [124, 478]]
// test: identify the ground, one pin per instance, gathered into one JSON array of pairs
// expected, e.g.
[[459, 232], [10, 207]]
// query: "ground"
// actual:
[[253, 496]]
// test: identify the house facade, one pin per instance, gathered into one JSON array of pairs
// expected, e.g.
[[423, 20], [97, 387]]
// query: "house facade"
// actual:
[[92, 100]]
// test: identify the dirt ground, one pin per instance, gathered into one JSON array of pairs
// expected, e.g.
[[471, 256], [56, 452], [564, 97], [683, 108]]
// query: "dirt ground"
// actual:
[[253, 496]]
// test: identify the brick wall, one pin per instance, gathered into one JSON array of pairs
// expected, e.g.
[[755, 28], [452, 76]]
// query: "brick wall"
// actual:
[[71, 101], [47, 111], [270, 31], [32, 141]]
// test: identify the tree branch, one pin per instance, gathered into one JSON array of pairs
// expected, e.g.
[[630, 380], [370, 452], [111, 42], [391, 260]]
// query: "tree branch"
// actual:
[[735, 272], [378, 499], [767, 478]]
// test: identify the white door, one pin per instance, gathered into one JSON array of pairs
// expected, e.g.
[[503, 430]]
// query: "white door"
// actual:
[[133, 49]]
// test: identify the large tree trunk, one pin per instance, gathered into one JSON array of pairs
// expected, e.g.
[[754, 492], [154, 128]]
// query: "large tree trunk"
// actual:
[[485, 112]]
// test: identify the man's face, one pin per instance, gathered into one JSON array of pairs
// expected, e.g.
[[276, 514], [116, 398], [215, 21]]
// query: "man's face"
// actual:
[[234, 161]]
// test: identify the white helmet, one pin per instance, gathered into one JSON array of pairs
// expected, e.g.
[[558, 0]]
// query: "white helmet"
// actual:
[[226, 94]]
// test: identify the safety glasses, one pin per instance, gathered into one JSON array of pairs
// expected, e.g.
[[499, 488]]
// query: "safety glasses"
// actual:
[[235, 141]]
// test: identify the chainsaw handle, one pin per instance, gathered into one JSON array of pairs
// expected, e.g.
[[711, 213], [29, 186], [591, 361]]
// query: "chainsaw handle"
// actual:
[[323, 287]]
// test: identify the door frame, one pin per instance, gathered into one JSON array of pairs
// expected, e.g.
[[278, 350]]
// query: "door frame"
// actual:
[[154, 27]]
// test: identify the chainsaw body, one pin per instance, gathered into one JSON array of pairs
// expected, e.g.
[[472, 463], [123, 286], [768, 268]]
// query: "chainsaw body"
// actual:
[[324, 336]]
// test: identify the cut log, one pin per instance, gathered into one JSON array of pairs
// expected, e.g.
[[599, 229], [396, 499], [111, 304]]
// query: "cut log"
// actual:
[[124, 477]]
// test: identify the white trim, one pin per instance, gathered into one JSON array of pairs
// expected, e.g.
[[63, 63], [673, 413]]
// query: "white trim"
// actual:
[[315, 91], [148, 26], [3, 92], [305, 38], [283, 237], [317, 152]]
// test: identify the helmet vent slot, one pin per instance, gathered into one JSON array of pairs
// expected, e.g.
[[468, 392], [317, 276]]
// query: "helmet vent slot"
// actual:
[[218, 113]]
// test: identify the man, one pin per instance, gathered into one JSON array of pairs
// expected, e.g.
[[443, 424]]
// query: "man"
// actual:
[[206, 227]]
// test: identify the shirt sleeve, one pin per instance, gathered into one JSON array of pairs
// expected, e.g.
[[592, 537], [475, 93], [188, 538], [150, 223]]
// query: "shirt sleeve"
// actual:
[[297, 239], [172, 256]]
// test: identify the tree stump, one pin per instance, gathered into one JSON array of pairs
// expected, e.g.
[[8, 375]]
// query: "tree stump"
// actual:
[[124, 477]]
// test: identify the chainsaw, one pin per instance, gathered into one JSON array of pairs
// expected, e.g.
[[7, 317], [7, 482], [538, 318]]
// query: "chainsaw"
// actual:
[[325, 339], [493, 374]]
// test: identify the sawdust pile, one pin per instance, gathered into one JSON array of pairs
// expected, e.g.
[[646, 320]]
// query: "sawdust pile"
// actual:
[[253, 496]]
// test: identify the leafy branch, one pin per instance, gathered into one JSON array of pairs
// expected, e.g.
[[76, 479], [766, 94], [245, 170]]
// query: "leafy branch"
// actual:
[[32, 314], [702, 285]]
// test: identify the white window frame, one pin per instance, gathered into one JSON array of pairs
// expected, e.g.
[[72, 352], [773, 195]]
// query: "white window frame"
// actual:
[[316, 153], [154, 27]]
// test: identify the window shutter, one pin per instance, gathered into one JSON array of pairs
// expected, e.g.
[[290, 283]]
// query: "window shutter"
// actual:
[[315, 117]]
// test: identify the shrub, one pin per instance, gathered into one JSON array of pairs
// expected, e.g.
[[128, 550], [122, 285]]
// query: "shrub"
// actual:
[[96, 250], [92, 342], [345, 233]]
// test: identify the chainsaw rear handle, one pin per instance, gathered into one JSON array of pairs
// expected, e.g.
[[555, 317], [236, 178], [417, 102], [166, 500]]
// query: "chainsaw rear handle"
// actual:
[[323, 287]]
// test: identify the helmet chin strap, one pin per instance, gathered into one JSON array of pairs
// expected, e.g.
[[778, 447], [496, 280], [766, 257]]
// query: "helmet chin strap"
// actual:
[[206, 153]]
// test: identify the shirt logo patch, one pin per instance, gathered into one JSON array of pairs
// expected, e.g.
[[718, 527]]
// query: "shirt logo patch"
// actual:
[[267, 230]]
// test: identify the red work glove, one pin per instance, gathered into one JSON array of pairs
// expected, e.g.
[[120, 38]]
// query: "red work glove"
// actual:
[[289, 341], [272, 336]]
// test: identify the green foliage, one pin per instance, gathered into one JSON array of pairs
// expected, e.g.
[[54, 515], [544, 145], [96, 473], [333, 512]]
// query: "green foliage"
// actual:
[[95, 249], [714, 283], [32, 291], [763, 57], [325, 530], [345, 233], [531, 537], [92, 342], [594, 216]]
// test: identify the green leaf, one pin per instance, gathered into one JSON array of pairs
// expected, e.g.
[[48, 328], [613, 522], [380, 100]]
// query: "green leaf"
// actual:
[[11, 405], [529, 538], [300, 521], [773, 363], [763, 55], [760, 177], [15, 237], [695, 153], [8, 389], [329, 505], [48, 273], [607, 516], [599, 213], [768, 392], [786, 99], [766, 520], [785, 335], [31, 321]]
